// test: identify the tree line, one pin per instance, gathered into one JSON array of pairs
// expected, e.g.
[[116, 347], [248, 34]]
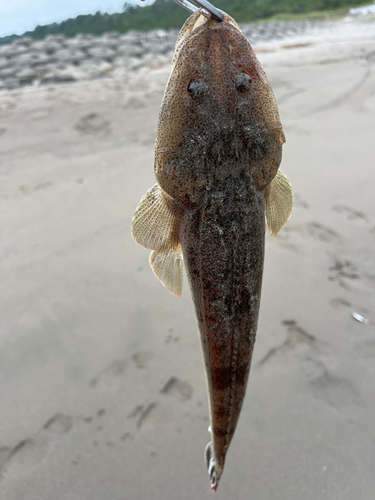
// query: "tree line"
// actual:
[[166, 14]]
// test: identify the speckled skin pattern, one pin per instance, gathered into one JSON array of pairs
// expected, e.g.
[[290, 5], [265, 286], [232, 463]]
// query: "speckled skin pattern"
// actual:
[[215, 157]]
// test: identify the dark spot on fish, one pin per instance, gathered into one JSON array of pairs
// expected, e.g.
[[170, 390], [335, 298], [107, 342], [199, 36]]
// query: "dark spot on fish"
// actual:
[[222, 432], [222, 377]]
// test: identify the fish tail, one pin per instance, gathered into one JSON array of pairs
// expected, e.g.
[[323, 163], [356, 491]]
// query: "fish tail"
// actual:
[[214, 468]]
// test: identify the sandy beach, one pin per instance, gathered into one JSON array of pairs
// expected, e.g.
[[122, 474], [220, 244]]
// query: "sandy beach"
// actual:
[[102, 385]]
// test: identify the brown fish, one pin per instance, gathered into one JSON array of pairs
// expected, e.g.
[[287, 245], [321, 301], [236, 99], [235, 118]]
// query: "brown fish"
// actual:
[[217, 154]]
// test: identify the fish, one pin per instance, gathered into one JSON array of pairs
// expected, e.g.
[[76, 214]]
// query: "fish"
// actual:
[[217, 155]]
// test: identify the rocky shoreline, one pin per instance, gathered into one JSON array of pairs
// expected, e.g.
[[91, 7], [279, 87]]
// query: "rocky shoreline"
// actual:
[[57, 59]]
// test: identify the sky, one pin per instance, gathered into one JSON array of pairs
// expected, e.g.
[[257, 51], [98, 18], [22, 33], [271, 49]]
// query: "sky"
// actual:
[[18, 16]]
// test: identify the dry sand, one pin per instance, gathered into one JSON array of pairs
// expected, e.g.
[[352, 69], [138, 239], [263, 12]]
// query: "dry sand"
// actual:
[[102, 390]]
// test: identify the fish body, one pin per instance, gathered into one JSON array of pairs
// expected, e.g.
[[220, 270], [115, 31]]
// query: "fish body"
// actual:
[[217, 154], [226, 237]]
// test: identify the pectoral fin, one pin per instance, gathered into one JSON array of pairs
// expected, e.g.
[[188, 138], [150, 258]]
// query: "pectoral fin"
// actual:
[[167, 265], [278, 203], [156, 226]]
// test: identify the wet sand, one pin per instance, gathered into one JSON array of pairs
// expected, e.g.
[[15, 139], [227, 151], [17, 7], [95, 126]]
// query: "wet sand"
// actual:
[[101, 376]]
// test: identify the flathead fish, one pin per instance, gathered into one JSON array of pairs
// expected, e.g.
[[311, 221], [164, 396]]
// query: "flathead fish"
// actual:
[[217, 155]]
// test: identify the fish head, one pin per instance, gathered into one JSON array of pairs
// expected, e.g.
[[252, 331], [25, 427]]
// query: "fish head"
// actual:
[[218, 103]]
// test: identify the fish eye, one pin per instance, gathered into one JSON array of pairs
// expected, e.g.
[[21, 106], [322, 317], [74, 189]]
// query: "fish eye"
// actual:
[[243, 82], [197, 88]]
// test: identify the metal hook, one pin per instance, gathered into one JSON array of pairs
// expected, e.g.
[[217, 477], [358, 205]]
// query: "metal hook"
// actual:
[[208, 8]]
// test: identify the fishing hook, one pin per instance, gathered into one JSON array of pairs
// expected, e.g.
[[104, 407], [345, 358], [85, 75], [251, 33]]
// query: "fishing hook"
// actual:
[[208, 9]]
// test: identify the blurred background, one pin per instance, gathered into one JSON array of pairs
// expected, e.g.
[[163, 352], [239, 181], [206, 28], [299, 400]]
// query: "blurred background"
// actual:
[[102, 386]]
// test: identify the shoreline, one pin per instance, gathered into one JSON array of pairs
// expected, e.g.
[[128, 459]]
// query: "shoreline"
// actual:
[[56, 59]]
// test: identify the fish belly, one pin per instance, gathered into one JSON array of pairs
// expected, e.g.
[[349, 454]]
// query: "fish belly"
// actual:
[[223, 250]]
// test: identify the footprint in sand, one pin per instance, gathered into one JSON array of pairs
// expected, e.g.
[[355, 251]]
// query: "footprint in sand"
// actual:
[[322, 233], [111, 375], [94, 124], [30, 452], [315, 229], [343, 272], [58, 424], [142, 359], [325, 385], [339, 303], [350, 213], [295, 335], [151, 416], [136, 411], [126, 436], [178, 389]]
